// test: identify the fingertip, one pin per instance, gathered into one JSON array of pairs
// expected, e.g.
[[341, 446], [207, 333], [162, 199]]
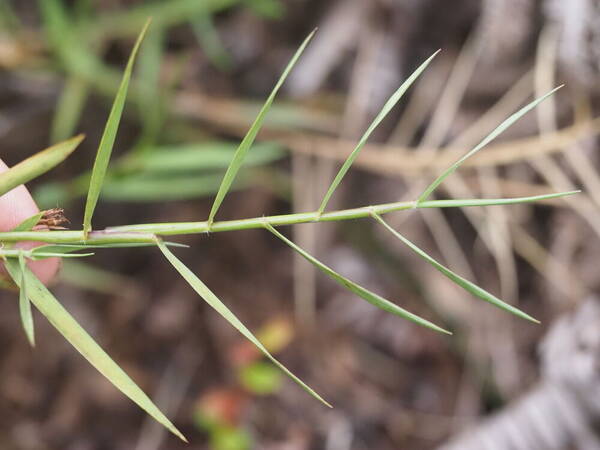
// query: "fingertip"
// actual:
[[16, 206]]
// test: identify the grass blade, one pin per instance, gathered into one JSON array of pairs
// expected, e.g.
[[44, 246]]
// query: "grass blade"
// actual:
[[24, 304], [60, 318], [461, 203], [369, 296], [240, 153], [44, 255], [490, 137], [382, 114], [35, 256], [37, 164], [29, 223], [108, 138], [210, 298], [75, 247], [465, 284]]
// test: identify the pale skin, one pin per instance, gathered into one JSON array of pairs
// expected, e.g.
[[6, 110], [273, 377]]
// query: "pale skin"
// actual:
[[16, 206]]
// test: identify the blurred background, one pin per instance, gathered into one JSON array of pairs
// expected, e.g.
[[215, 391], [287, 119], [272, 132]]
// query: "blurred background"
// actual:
[[203, 72]]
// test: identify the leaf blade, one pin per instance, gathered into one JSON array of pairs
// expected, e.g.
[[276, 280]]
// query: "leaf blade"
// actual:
[[457, 279], [395, 98], [60, 318], [29, 223], [367, 295], [209, 297], [246, 143], [490, 137], [38, 164], [108, 137], [25, 304], [468, 202]]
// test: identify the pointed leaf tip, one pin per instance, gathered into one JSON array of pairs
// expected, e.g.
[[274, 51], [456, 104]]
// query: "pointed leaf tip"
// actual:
[[490, 137], [209, 297], [389, 105], [365, 294], [457, 279], [108, 137], [38, 164], [62, 320], [240, 153]]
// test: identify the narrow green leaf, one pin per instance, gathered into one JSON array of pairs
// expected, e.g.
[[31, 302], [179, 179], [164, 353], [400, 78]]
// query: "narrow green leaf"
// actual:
[[24, 304], [60, 318], [29, 223], [59, 248], [460, 281], [210, 298], [396, 96], [108, 138], [44, 255], [369, 296], [37, 164], [63, 249], [7, 252], [241, 151], [461, 203], [490, 137]]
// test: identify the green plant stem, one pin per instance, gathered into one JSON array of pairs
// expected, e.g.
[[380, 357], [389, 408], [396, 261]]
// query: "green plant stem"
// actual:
[[146, 233]]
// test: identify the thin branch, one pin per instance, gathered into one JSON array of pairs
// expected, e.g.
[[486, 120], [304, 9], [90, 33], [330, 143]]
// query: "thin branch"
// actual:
[[146, 233]]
